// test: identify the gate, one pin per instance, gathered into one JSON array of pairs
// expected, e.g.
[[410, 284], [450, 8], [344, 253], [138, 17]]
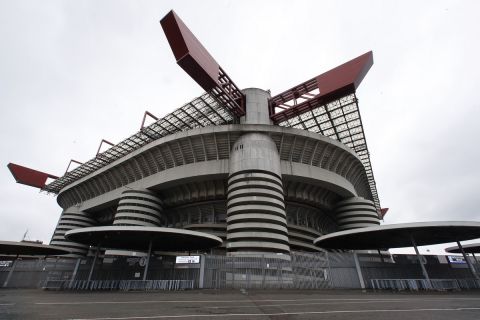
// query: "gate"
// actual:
[[265, 271]]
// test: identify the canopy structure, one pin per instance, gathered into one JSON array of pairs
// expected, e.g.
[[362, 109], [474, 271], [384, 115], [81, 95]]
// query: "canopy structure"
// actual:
[[21, 248], [403, 235], [399, 235], [142, 238], [468, 248], [139, 238], [17, 249], [464, 249]]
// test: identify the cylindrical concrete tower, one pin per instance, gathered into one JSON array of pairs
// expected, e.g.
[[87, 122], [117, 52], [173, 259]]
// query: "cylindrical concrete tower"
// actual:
[[72, 218], [139, 208], [256, 218], [356, 212]]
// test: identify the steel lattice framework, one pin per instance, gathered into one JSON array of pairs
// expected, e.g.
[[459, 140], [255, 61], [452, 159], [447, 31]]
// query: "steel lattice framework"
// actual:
[[340, 120], [201, 112]]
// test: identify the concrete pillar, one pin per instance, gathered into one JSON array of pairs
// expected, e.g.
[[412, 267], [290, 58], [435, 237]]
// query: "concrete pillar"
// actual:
[[93, 264], [469, 263], [420, 261], [256, 218], [359, 271], [72, 218], [139, 207], [147, 262], [356, 212], [202, 272], [10, 273], [256, 106], [75, 271]]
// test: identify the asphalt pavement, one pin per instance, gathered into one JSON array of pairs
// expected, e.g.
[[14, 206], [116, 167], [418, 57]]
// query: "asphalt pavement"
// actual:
[[238, 304]]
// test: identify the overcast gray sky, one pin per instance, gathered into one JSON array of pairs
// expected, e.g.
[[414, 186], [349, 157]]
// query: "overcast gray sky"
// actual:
[[74, 72]]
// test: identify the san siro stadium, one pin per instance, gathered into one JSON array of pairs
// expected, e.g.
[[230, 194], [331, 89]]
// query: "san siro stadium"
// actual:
[[266, 173]]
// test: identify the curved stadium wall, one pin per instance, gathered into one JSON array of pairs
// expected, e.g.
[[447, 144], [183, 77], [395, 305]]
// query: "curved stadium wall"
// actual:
[[209, 179]]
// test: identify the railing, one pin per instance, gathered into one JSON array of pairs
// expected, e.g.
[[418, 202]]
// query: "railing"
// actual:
[[423, 284], [124, 285]]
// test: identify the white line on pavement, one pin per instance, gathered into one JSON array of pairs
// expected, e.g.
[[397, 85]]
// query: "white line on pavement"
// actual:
[[280, 313], [318, 303], [233, 301]]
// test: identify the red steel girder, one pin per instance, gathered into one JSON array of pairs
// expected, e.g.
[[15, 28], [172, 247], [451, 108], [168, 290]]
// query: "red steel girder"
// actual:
[[197, 62], [29, 177], [326, 87]]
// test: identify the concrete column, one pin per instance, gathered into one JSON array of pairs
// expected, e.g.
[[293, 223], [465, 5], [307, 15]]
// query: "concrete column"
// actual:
[[93, 264], [356, 212], [139, 207], [256, 106], [75, 270], [202, 271], [72, 218], [475, 258], [381, 255], [256, 218], [10, 273], [472, 269], [419, 257], [147, 263], [359, 271]]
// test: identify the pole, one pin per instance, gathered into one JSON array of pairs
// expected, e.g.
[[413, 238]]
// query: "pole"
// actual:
[[14, 263], [381, 256], [148, 260], [202, 271], [419, 257], [474, 257], [75, 270], [475, 275], [359, 271], [93, 264]]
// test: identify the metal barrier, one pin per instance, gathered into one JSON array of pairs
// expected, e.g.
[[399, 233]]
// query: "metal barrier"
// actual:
[[267, 271], [128, 285], [124, 285], [423, 284]]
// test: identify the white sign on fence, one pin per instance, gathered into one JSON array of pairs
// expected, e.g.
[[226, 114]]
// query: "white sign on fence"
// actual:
[[187, 259], [5, 263], [456, 259]]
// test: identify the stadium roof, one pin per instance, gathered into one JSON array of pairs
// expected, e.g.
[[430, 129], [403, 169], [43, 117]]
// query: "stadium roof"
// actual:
[[338, 119], [326, 104], [200, 112]]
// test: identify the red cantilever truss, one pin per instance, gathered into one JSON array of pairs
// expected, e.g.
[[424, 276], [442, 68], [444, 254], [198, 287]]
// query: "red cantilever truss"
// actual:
[[327, 87], [192, 56], [29, 176], [327, 105]]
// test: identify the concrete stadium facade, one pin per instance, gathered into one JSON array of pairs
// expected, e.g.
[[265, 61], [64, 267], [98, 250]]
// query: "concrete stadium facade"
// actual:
[[261, 187]]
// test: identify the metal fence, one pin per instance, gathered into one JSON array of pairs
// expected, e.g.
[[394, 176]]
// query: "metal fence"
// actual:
[[423, 284], [124, 285], [298, 270], [267, 271], [31, 273]]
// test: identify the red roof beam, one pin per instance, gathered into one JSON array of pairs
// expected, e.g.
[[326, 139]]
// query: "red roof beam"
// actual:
[[197, 62], [147, 113], [190, 54], [344, 78], [101, 143], [74, 161], [29, 177]]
